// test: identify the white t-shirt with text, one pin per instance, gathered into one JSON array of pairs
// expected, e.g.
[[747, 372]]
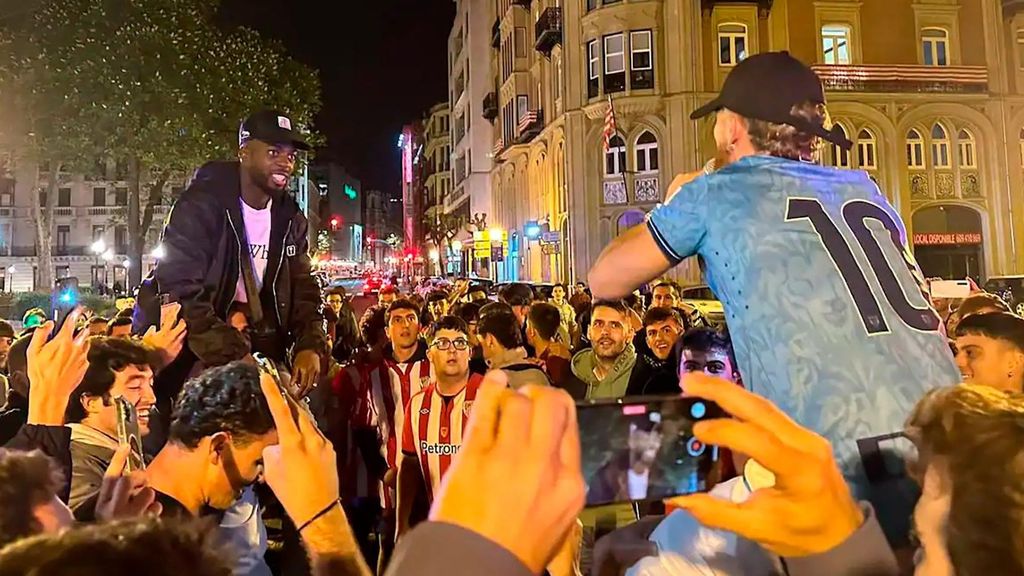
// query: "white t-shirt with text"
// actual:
[[257, 229]]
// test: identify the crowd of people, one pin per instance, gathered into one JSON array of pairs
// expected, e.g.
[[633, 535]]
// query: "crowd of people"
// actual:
[[870, 429]]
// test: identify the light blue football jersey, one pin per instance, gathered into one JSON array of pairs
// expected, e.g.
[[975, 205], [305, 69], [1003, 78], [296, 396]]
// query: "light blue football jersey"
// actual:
[[823, 300]]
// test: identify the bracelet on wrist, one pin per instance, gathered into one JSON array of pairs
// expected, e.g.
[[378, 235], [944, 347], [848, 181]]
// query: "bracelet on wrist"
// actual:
[[320, 514]]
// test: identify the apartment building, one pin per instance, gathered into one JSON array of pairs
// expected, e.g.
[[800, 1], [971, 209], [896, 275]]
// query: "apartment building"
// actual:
[[930, 92], [438, 182], [90, 231]]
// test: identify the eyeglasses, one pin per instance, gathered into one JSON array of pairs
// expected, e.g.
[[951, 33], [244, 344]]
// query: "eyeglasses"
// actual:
[[444, 344]]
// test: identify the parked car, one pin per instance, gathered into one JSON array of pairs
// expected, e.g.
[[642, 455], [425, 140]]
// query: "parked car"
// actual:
[[1010, 289], [353, 286], [704, 301]]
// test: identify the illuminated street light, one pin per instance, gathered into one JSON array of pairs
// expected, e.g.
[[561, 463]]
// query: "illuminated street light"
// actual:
[[98, 247], [11, 269], [434, 254], [127, 263], [108, 255], [496, 234], [457, 246], [158, 252]]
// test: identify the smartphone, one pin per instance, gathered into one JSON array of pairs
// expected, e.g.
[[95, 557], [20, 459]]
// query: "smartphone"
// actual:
[[640, 449], [128, 433], [949, 288], [267, 365]]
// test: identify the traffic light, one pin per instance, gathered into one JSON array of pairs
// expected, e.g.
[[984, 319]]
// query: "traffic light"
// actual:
[[350, 192], [335, 222]]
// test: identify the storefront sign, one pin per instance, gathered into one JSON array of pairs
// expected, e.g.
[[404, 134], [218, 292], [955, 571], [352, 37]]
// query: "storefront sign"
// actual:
[[549, 237], [551, 248], [481, 245], [947, 238]]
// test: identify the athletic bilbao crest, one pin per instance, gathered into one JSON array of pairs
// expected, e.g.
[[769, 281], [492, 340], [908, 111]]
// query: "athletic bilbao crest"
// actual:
[[466, 407]]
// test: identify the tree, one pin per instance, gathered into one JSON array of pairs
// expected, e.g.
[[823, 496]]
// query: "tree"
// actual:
[[162, 89], [39, 129]]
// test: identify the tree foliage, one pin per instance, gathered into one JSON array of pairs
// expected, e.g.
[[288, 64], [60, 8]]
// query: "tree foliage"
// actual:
[[155, 84]]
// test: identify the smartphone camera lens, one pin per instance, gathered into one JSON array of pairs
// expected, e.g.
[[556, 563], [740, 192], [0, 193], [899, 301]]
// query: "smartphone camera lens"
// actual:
[[698, 410], [694, 447]]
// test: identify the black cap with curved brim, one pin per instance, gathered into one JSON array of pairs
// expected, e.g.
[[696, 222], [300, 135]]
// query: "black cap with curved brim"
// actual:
[[272, 127], [766, 87]]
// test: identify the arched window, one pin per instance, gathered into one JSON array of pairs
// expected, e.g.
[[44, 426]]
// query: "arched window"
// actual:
[[647, 153], [967, 149], [866, 150], [915, 150], [840, 156], [732, 43], [940, 147], [935, 47], [615, 156]]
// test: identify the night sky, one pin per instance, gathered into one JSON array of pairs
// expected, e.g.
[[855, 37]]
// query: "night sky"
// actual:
[[382, 64]]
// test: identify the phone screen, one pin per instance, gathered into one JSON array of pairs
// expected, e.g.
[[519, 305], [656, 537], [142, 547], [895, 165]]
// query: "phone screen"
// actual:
[[128, 433], [644, 449], [949, 288]]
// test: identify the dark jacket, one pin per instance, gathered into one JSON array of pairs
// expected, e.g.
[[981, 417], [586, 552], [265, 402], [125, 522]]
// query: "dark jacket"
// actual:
[[54, 441], [203, 242], [653, 377]]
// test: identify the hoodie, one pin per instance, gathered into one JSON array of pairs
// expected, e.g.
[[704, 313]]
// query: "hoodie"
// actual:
[[519, 369], [91, 453], [585, 385]]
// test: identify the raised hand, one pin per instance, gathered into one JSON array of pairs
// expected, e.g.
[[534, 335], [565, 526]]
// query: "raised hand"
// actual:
[[169, 339], [55, 368], [125, 495]]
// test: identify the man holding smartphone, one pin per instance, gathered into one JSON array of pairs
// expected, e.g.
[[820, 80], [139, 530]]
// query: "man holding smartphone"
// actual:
[[237, 236]]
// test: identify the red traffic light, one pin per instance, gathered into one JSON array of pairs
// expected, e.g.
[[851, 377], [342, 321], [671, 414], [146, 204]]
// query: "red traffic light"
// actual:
[[335, 222]]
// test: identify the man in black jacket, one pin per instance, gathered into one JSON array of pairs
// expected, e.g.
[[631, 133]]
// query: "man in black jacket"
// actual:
[[235, 235], [657, 365]]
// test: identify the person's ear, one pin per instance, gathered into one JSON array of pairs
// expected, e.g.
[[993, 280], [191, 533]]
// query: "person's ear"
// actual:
[[219, 445], [91, 404]]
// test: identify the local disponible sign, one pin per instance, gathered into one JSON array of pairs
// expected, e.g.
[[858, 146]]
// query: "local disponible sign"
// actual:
[[947, 238]]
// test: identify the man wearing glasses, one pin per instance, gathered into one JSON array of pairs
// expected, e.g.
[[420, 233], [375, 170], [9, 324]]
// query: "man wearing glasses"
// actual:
[[434, 421]]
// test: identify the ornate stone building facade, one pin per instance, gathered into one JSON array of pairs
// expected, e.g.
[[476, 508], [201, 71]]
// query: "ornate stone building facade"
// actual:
[[931, 92]]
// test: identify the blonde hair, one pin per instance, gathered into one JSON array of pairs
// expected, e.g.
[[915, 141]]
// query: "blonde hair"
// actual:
[[979, 431], [787, 141]]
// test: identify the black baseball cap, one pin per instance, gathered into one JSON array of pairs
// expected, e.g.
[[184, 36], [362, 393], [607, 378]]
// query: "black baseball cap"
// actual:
[[766, 87], [272, 127]]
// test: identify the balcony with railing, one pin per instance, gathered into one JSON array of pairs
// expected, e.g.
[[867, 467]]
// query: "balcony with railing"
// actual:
[[530, 125], [904, 78], [491, 106], [499, 147], [548, 30]]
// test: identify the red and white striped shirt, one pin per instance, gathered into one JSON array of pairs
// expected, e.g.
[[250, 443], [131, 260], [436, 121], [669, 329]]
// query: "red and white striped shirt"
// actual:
[[433, 429], [389, 386], [348, 389]]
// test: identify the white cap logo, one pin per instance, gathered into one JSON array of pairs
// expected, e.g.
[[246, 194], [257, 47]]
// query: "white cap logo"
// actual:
[[284, 123]]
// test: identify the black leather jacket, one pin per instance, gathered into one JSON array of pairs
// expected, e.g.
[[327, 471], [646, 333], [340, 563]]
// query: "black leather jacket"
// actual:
[[202, 241]]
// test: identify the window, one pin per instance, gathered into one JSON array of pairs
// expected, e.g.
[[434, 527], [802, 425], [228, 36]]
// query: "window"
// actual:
[[614, 54], [935, 47], [640, 50], [520, 42], [1020, 48], [866, 150], [641, 63], [840, 155], [940, 147], [98, 232], [646, 153], [915, 150], [614, 63], [121, 169], [591, 5], [42, 198], [615, 157], [593, 69], [732, 44], [522, 107], [120, 239], [835, 44], [64, 197], [99, 196], [120, 196], [63, 235], [965, 142]]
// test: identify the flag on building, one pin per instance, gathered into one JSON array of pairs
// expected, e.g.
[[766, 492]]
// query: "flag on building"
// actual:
[[609, 124]]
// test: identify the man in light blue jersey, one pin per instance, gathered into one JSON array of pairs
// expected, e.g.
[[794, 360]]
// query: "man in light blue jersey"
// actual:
[[822, 298]]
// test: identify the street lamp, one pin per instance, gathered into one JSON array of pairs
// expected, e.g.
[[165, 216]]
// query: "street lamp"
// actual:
[[108, 255], [434, 254], [158, 252], [127, 263], [456, 246], [496, 234]]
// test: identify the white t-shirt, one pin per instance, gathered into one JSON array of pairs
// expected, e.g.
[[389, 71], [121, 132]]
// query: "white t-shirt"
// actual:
[[637, 484], [257, 229]]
